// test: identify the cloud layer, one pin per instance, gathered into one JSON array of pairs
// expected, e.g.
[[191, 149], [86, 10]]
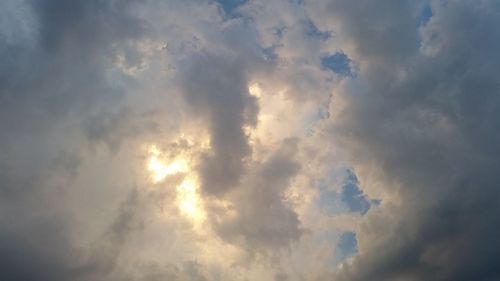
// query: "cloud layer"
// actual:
[[249, 140]]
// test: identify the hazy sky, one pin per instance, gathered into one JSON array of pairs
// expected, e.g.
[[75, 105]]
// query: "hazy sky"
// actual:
[[249, 140]]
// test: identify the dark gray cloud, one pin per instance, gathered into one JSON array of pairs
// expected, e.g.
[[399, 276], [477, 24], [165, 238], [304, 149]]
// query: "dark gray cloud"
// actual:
[[216, 88], [426, 122], [371, 28], [55, 59], [262, 220], [42, 247], [27, 257]]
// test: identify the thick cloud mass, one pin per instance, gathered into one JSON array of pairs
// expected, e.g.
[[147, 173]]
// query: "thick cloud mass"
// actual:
[[217, 90], [203, 140], [427, 126]]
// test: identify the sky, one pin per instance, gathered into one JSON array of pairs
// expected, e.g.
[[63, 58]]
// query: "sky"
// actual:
[[249, 140]]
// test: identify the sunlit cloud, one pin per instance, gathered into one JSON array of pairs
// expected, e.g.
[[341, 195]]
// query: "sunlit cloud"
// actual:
[[255, 90], [237, 140], [158, 167], [188, 198]]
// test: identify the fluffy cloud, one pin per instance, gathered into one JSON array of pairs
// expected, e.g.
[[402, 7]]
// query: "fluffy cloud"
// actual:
[[209, 140], [217, 90], [419, 124]]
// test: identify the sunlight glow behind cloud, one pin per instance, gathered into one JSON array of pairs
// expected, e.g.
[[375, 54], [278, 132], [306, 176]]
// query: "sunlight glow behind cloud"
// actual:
[[188, 198], [159, 169], [249, 140]]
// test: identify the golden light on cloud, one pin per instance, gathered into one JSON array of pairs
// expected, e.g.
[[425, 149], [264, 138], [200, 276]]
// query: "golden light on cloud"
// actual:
[[275, 110], [188, 199], [160, 170], [255, 90]]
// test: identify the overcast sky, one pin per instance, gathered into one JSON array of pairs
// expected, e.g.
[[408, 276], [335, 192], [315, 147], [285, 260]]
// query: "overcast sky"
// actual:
[[249, 140]]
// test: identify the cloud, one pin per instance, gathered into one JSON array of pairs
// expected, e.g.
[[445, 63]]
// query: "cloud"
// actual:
[[418, 125], [262, 221], [217, 90], [266, 104], [51, 79]]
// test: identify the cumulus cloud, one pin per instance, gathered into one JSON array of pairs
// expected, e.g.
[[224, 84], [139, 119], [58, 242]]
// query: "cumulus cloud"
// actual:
[[217, 90], [416, 125], [262, 219], [249, 140]]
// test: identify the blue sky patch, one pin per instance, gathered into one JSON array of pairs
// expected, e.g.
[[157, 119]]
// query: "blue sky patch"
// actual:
[[352, 195], [425, 15], [339, 63], [347, 246], [350, 198], [229, 6]]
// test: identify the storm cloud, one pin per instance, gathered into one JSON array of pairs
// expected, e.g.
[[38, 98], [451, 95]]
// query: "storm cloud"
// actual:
[[425, 126]]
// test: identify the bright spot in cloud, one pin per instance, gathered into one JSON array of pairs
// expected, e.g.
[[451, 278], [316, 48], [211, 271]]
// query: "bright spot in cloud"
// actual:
[[255, 90], [160, 170], [188, 199]]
